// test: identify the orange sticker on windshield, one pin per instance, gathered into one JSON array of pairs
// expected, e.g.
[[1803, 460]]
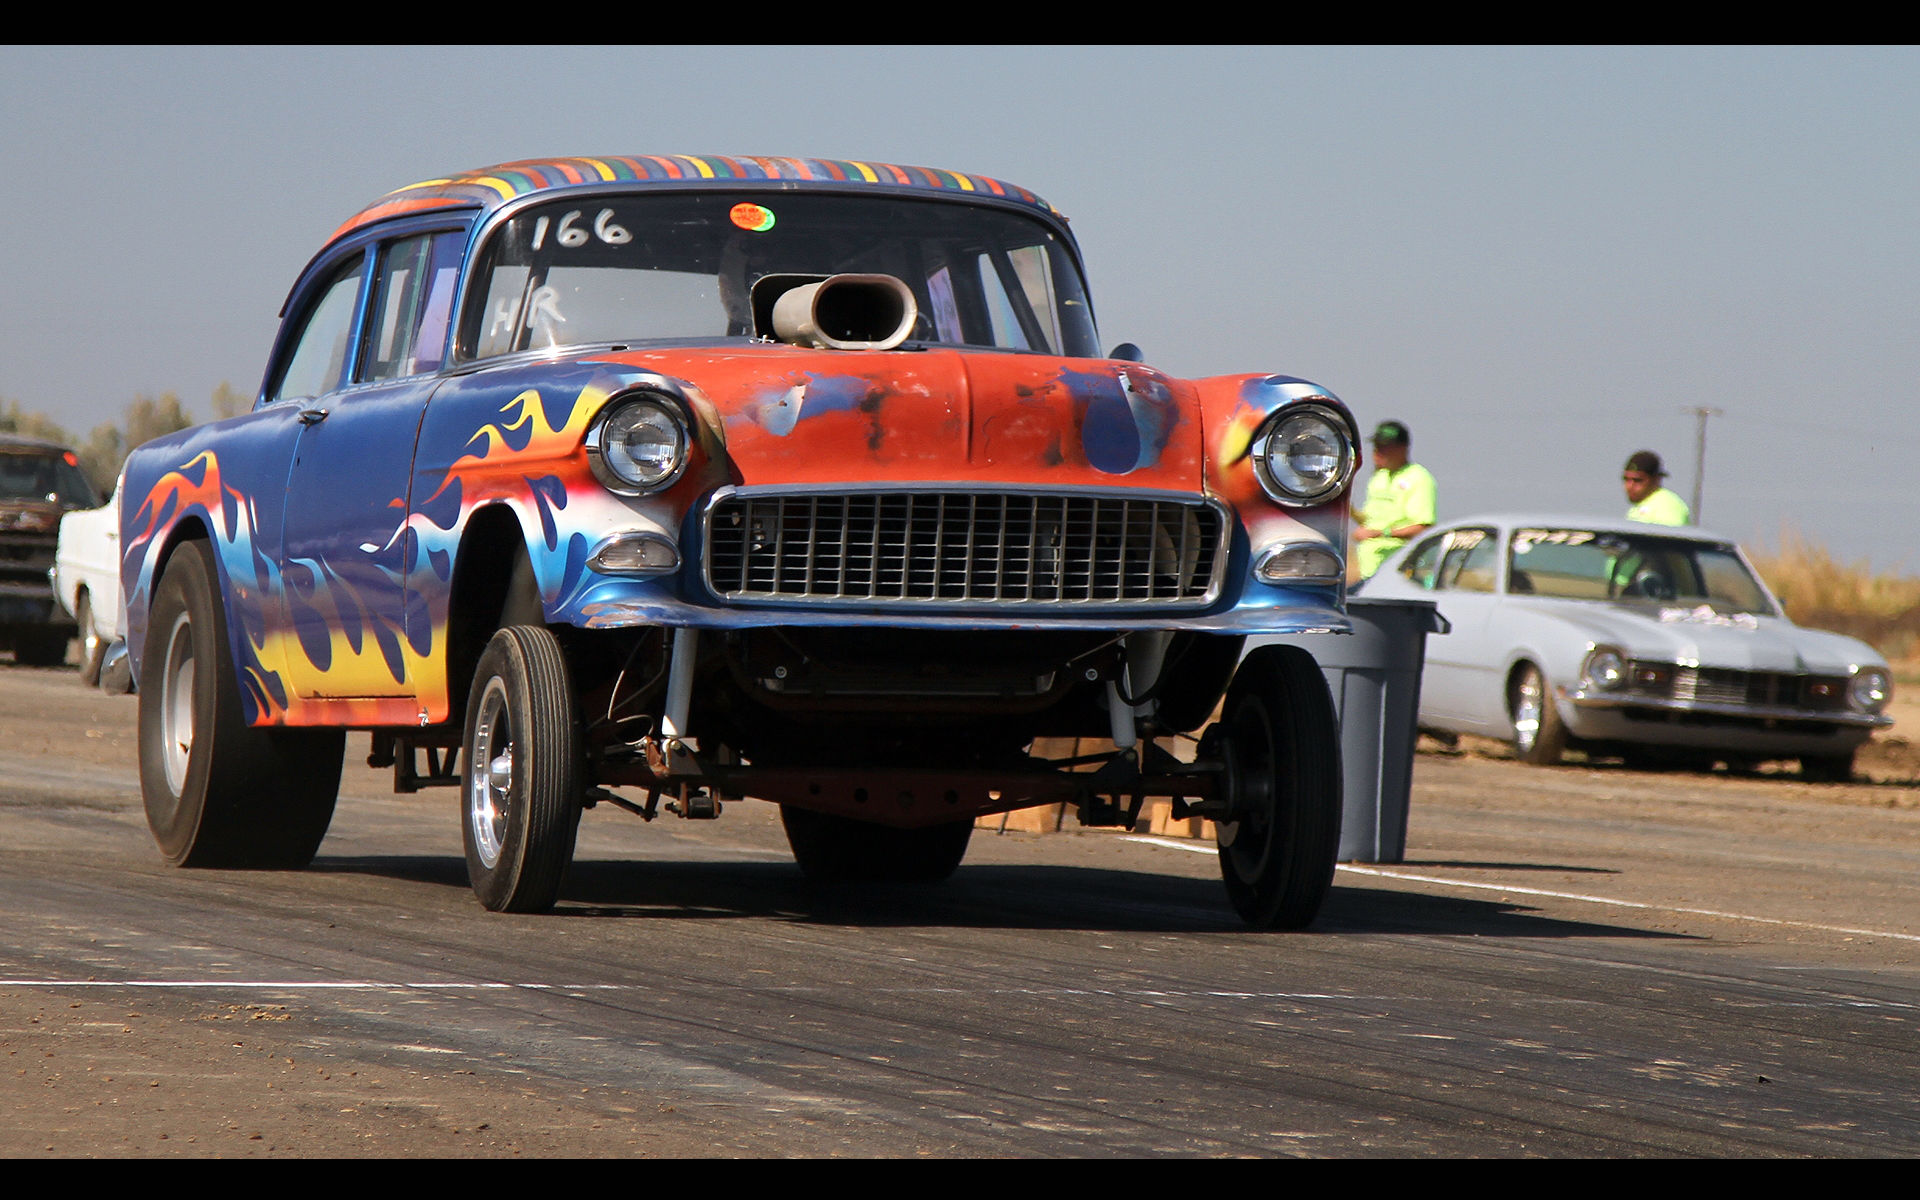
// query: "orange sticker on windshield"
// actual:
[[751, 217]]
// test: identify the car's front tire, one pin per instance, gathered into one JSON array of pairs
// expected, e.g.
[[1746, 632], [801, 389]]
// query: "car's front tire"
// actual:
[[93, 644], [1538, 735], [219, 792], [525, 772], [1827, 768], [1279, 843]]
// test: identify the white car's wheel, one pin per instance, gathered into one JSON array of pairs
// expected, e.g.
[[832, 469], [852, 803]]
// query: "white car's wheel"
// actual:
[[93, 643], [1538, 735], [1827, 768]]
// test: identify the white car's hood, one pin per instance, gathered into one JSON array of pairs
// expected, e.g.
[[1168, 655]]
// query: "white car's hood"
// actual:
[[1706, 636]]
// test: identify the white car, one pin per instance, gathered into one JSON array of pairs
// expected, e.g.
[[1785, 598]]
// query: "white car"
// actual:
[[1652, 643], [86, 579]]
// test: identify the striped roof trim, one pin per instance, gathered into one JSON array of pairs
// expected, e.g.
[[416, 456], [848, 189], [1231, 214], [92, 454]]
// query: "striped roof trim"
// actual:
[[490, 187]]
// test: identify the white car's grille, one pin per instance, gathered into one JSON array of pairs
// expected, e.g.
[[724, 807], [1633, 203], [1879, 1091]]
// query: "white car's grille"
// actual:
[[1763, 689], [966, 548]]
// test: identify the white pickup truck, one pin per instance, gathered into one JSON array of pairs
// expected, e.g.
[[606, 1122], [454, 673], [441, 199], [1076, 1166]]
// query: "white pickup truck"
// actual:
[[86, 578]]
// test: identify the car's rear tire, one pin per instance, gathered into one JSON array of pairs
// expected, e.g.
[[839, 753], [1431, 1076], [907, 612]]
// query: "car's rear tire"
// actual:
[[1282, 836], [525, 778], [1827, 768], [219, 792], [93, 644], [1538, 735], [832, 849]]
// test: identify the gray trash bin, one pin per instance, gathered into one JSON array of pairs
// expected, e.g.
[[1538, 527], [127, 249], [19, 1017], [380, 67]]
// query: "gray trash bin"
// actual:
[[1374, 676]]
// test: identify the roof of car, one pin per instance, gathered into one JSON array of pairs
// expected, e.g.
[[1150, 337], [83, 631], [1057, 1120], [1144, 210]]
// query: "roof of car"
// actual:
[[490, 187], [18, 442], [1549, 520]]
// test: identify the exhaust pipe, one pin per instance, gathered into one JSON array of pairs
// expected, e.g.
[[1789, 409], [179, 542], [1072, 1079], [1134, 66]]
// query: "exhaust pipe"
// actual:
[[847, 312]]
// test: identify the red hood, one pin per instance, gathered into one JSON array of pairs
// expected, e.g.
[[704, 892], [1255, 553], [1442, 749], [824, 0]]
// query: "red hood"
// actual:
[[791, 415]]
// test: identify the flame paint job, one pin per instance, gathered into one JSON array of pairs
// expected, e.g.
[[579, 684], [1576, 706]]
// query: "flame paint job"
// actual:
[[337, 533]]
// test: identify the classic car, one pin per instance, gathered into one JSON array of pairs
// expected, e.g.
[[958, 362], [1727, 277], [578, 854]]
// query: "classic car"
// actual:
[[86, 580], [39, 481], [656, 482], [1655, 644]]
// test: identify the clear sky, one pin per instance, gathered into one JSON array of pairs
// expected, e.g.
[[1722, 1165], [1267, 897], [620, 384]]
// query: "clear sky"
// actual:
[[1540, 259]]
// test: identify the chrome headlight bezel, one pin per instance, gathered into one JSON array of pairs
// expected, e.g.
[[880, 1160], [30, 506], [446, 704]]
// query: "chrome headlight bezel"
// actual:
[[1607, 669], [1276, 447], [1870, 690], [608, 443]]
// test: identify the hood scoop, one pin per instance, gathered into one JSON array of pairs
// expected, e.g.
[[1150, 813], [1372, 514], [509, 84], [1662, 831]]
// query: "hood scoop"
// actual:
[[835, 312]]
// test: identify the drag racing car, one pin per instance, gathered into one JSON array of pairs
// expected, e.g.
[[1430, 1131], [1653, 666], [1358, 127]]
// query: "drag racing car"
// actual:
[[657, 482]]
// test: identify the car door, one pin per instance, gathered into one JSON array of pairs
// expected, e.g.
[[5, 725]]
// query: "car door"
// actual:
[[1465, 585], [346, 544]]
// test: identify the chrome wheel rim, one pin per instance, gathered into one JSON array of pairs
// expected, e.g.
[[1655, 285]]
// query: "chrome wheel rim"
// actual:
[[176, 704], [490, 775], [89, 636], [1528, 699]]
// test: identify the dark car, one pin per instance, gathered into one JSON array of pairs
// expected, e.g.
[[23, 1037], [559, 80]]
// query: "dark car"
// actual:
[[703, 478], [39, 481]]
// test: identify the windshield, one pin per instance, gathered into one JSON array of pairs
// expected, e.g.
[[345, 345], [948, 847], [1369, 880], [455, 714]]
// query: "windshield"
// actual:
[[48, 477], [1581, 564], [682, 266]]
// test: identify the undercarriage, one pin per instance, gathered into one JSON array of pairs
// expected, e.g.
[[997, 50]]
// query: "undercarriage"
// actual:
[[883, 747]]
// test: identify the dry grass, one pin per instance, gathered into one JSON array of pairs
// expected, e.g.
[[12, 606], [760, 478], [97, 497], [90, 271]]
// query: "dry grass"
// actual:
[[1822, 593]]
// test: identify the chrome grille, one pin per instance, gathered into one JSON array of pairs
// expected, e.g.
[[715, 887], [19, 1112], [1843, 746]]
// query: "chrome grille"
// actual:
[[1712, 685], [965, 548]]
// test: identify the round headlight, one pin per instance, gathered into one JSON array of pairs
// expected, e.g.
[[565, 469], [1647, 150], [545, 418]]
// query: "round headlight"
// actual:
[[637, 445], [1869, 690], [1606, 670], [1304, 455]]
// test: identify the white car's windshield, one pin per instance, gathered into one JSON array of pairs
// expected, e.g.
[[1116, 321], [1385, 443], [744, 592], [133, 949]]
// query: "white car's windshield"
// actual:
[[1584, 564], [682, 266]]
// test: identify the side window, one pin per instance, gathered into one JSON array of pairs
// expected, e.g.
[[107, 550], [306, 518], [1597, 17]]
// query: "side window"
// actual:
[[319, 354], [1480, 568], [1423, 565], [412, 302], [1468, 562]]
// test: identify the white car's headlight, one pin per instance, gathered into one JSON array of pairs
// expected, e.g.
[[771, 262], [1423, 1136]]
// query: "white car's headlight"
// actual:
[[638, 444], [1304, 455], [1869, 690], [1606, 669]]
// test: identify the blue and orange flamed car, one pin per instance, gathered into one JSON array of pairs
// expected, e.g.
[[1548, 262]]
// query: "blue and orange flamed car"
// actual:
[[706, 477]]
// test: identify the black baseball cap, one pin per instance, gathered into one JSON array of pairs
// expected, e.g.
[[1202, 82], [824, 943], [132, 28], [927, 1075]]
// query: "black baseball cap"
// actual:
[[1647, 463], [1390, 433]]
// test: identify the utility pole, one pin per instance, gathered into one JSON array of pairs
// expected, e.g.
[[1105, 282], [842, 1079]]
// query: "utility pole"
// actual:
[[1700, 415]]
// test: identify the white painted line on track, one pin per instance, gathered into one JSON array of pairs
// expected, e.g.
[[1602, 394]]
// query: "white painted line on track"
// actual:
[[309, 985], [1586, 899], [1207, 848], [1191, 847]]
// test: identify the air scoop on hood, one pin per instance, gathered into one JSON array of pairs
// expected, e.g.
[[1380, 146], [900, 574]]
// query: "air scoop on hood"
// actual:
[[836, 312]]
